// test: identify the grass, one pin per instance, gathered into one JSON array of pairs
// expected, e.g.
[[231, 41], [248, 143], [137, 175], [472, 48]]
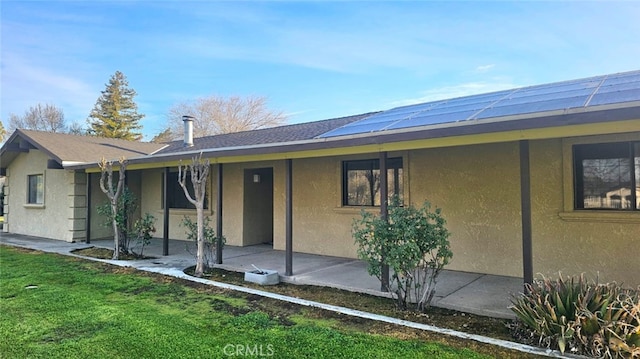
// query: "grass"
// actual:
[[57, 306], [54, 306]]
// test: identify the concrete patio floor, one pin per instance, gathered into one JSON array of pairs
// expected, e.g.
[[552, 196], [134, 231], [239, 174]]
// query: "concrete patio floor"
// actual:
[[476, 293]]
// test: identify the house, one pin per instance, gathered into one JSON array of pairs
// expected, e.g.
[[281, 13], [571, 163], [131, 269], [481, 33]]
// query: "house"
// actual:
[[514, 172], [43, 198]]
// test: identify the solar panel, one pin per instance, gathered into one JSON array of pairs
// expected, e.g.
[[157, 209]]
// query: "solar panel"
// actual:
[[353, 129], [532, 107], [615, 97], [432, 119], [544, 97], [600, 90], [619, 87], [620, 79]]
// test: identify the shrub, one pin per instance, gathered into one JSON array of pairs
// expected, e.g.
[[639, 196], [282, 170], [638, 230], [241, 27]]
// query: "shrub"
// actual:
[[130, 229], [127, 206], [143, 228], [412, 242], [210, 239], [600, 320]]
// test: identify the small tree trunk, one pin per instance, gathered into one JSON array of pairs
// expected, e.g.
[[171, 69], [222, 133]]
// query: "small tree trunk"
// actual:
[[106, 167], [199, 171], [116, 230], [200, 253]]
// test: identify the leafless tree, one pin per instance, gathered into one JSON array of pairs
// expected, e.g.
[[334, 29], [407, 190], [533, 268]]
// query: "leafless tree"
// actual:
[[216, 114], [3, 132], [199, 172], [39, 117], [106, 185]]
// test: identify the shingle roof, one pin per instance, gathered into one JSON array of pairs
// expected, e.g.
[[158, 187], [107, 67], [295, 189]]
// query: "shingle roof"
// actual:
[[81, 149], [288, 133]]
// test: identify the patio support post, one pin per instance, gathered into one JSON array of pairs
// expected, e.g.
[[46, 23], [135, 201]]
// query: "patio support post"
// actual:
[[87, 225], [219, 217], [288, 218], [525, 202], [165, 212], [384, 213]]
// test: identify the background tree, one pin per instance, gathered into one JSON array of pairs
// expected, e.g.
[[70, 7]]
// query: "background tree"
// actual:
[[162, 137], [39, 117], [3, 132], [216, 114], [115, 114]]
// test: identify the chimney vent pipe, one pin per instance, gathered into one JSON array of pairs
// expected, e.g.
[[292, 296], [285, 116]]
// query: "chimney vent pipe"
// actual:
[[188, 130]]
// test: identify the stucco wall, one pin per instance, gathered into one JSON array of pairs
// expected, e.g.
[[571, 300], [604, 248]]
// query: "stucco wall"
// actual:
[[61, 216], [575, 242], [478, 189], [320, 225], [149, 189]]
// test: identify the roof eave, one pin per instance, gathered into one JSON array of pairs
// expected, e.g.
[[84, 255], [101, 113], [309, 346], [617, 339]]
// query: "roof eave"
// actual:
[[462, 128]]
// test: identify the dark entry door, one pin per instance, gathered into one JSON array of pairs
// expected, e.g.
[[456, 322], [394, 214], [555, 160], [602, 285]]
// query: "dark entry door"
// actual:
[[258, 206]]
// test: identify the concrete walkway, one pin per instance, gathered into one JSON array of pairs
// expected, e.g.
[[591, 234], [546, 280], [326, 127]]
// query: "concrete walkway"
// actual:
[[475, 293]]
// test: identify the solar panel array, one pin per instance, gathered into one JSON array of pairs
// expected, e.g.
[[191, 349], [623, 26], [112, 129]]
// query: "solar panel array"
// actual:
[[594, 91]]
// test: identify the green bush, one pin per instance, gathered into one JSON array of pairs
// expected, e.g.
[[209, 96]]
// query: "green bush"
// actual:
[[127, 206], [600, 320], [143, 230], [413, 243], [210, 239], [130, 229]]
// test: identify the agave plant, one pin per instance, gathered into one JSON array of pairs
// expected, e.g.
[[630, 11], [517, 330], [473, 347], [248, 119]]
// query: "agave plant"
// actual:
[[601, 320]]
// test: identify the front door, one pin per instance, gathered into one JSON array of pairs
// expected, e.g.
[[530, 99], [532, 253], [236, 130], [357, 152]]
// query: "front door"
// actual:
[[258, 206]]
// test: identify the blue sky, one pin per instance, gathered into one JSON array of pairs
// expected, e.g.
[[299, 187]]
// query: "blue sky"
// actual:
[[312, 60]]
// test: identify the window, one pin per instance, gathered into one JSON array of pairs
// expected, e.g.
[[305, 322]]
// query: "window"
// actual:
[[35, 190], [361, 181], [176, 198], [607, 176]]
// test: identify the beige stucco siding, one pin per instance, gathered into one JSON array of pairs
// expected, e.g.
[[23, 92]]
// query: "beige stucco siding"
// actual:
[[233, 201], [591, 242], [318, 224], [478, 189], [151, 196], [62, 214]]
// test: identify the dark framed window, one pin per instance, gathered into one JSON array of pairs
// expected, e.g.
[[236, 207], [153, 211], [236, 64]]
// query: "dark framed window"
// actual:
[[35, 189], [175, 194], [361, 181], [607, 176]]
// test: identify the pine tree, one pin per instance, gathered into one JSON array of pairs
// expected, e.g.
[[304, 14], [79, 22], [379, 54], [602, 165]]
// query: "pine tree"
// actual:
[[115, 114]]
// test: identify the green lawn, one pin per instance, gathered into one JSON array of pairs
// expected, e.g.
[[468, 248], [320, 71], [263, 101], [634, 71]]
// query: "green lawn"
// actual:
[[54, 306]]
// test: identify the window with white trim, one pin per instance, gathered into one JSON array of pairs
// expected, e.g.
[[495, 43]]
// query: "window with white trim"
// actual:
[[35, 189]]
